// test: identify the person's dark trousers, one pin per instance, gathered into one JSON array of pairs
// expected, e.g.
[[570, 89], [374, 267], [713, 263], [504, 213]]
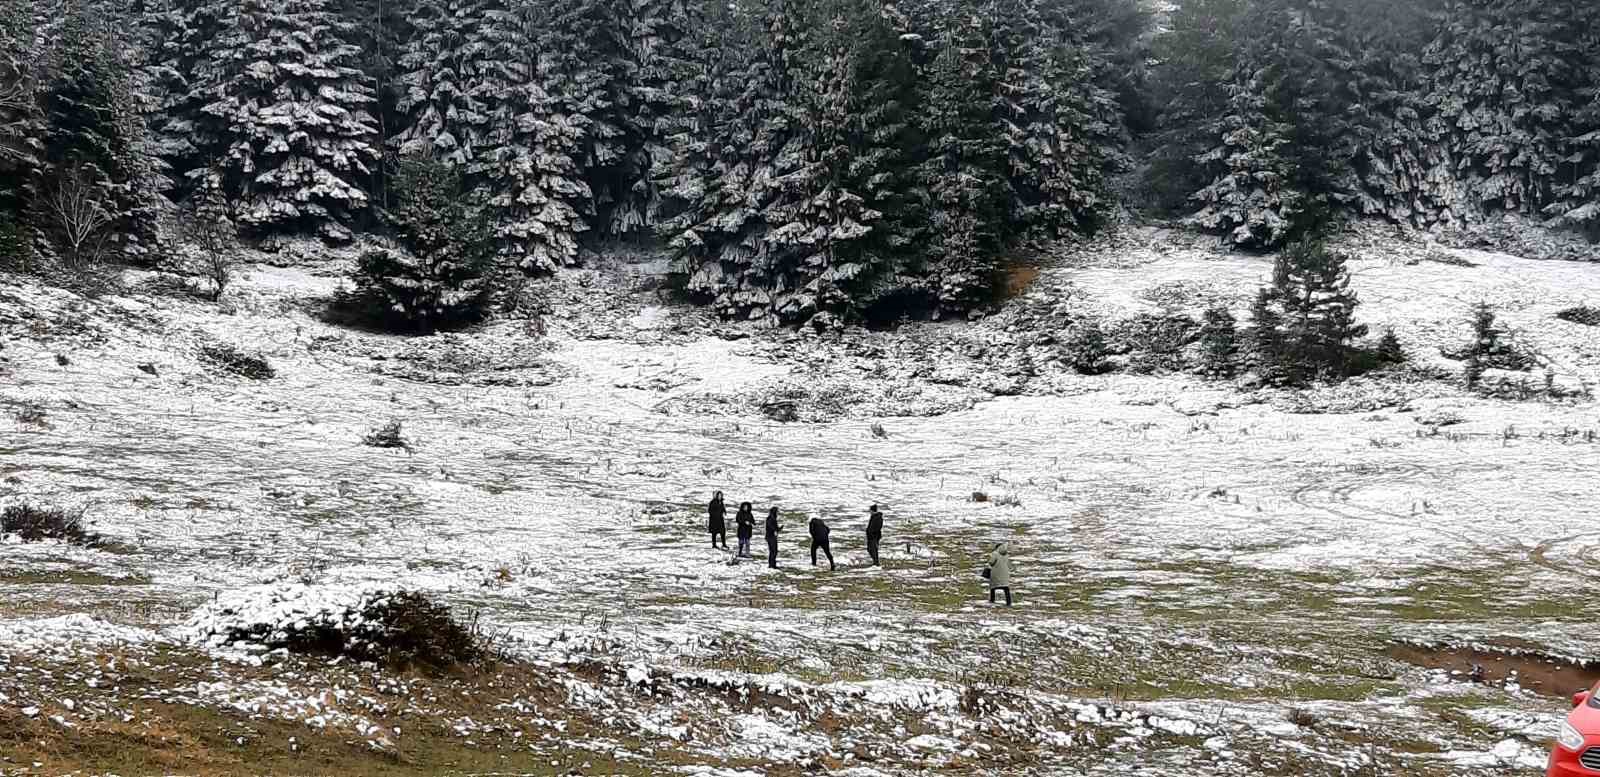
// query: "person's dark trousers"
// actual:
[[823, 546], [719, 535], [772, 554], [872, 548], [1005, 588]]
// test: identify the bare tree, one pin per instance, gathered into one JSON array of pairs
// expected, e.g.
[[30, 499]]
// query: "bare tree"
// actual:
[[75, 210], [210, 230]]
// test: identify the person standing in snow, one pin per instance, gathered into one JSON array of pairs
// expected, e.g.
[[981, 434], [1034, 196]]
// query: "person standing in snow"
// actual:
[[745, 526], [719, 525], [999, 572], [772, 538], [874, 533], [819, 541]]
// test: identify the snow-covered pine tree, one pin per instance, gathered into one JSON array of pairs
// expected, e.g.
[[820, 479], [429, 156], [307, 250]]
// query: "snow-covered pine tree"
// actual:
[[1093, 136], [178, 37], [965, 171], [1267, 351], [883, 166], [538, 197], [1027, 120], [1109, 42], [1403, 173], [155, 22], [1255, 93], [1390, 351], [829, 241], [21, 126], [453, 73], [1252, 200], [95, 138], [664, 98], [289, 112], [1248, 198], [1311, 287], [1578, 189], [720, 238], [380, 29], [1505, 86], [590, 52], [1327, 133], [694, 100], [442, 277], [1058, 108], [1192, 84]]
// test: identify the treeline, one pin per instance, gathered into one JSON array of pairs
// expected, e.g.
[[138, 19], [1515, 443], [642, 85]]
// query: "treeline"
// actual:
[[798, 156], [861, 158], [1283, 116]]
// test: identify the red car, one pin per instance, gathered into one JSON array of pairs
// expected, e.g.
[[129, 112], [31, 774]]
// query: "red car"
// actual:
[[1577, 750]]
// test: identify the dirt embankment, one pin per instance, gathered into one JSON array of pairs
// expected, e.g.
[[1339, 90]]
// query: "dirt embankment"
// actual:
[[1542, 673]]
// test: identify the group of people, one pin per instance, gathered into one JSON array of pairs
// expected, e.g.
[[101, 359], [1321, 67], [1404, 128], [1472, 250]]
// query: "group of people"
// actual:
[[997, 571], [745, 527]]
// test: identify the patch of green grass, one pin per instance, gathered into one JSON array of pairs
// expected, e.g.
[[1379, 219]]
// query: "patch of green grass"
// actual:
[[66, 577], [1480, 594]]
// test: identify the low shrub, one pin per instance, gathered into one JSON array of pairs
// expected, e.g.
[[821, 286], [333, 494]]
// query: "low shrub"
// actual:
[[32, 523], [1582, 314], [359, 308], [1219, 343], [1304, 718], [399, 629], [231, 359], [1444, 256], [31, 415], [171, 285], [386, 436], [1157, 343], [1084, 349]]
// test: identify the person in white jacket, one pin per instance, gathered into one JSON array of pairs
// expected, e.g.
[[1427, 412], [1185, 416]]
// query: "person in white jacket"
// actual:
[[1000, 572]]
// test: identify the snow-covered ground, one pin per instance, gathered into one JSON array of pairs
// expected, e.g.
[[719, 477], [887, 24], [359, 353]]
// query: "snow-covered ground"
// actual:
[[1194, 558]]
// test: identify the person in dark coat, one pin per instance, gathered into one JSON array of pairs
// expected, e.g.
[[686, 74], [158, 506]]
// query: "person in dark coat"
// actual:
[[719, 524], [819, 541], [745, 525], [874, 533], [772, 538]]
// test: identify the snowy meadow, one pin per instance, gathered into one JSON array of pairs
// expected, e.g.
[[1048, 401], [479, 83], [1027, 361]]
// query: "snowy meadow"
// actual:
[[1211, 578]]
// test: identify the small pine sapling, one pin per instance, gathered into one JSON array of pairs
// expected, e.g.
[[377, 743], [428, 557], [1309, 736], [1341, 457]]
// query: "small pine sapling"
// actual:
[[1266, 337], [1219, 343], [1390, 351]]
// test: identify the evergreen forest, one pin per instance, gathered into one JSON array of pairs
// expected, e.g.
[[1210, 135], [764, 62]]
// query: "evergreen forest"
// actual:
[[864, 159]]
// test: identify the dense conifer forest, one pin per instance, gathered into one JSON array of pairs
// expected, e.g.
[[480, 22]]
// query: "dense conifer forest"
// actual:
[[856, 158]]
